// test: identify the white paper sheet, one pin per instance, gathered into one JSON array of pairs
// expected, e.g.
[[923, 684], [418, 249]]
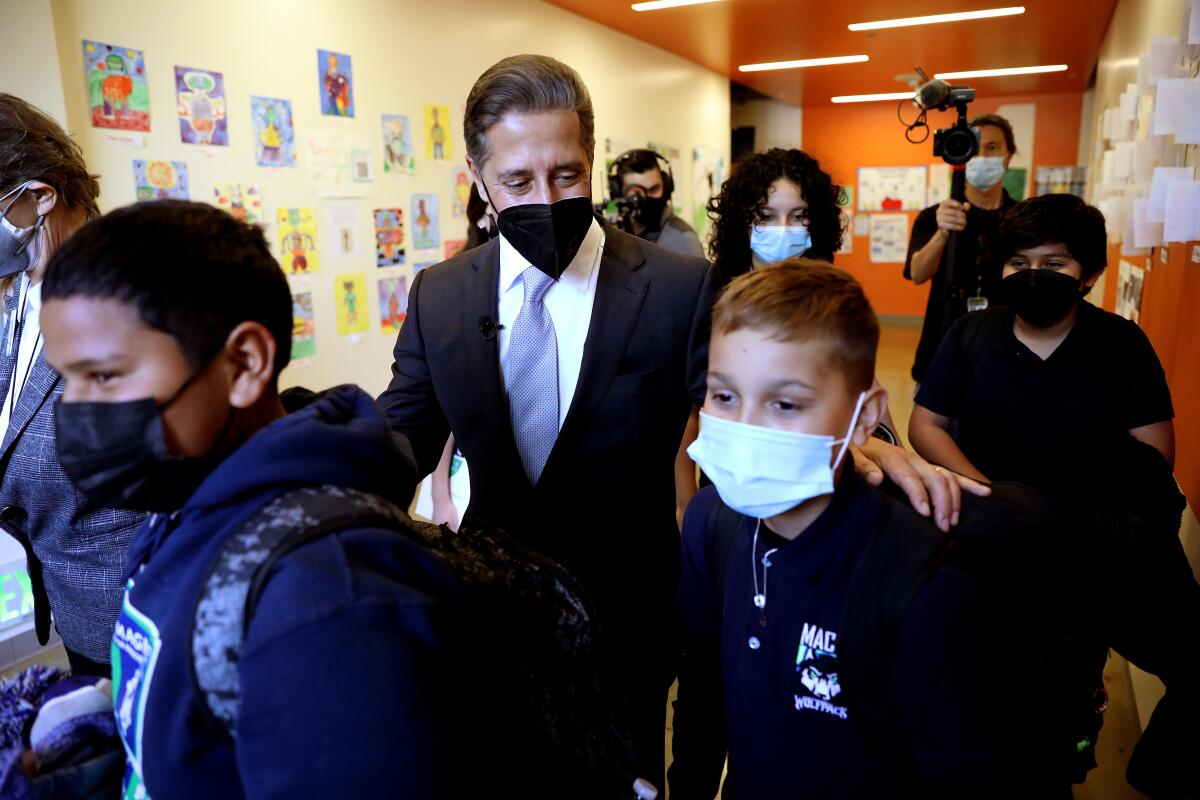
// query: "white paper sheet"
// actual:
[[1193, 20], [1182, 216], [343, 223], [1145, 232], [889, 238], [1187, 123], [1164, 58], [1143, 161], [1157, 202], [1129, 100], [1171, 102], [1123, 160]]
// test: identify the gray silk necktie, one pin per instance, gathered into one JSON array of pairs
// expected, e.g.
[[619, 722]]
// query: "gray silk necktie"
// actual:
[[532, 378]]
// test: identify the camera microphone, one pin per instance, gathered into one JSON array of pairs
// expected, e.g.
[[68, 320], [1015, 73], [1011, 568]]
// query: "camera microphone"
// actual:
[[488, 328], [933, 93]]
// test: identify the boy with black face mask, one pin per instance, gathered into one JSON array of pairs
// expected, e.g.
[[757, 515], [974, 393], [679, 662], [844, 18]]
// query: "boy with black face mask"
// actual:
[[170, 323], [1039, 383]]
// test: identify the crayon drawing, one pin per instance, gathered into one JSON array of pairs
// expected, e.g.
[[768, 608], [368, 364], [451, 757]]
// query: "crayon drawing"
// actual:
[[425, 221], [201, 96], [160, 180], [336, 84], [350, 293], [304, 326], [389, 237], [116, 86], [242, 200], [393, 304], [397, 145], [274, 133], [437, 133], [460, 195], [297, 231]]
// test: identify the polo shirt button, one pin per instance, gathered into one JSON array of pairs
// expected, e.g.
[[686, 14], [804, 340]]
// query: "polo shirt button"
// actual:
[[755, 643]]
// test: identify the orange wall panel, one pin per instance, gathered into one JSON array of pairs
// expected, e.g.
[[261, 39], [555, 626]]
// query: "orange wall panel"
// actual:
[[846, 137]]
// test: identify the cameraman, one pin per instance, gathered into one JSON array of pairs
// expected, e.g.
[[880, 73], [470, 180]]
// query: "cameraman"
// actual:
[[976, 281], [638, 172]]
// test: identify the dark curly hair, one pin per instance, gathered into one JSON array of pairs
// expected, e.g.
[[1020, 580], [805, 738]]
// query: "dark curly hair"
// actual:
[[744, 192]]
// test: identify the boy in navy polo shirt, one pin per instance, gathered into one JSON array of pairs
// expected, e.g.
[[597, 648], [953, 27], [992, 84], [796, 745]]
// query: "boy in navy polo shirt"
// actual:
[[770, 554], [1042, 389], [170, 323]]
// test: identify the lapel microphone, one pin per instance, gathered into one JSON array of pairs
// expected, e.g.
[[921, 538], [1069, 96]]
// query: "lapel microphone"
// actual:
[[488, 328]]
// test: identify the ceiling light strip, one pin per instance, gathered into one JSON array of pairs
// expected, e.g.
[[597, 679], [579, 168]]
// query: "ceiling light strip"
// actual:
[[934, 19], [871, 98], [996, 73], [804, 62], [656, 5]]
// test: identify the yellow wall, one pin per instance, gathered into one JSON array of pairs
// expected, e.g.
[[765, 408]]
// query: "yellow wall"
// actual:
[[406, 53]]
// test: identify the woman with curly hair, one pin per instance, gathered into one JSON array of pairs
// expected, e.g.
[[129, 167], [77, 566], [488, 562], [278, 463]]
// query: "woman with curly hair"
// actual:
[[776, 205]]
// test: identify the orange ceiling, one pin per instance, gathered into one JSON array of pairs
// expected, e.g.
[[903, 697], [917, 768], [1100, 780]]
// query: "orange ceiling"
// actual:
[[726, 34]]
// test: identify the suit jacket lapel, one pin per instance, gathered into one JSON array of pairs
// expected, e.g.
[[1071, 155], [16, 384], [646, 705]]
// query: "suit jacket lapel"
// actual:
[[481, 302], [620, 291], [38, 388], [7, 358]]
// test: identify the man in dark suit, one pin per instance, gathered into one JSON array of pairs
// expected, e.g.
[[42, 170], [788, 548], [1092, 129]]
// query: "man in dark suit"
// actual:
[[571, 423]]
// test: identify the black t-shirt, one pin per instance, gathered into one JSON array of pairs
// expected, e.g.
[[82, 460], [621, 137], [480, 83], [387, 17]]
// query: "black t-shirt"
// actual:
[[971, 274], [1021, 418]]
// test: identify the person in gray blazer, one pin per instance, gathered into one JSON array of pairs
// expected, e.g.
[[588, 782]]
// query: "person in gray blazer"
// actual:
[[75, 555]]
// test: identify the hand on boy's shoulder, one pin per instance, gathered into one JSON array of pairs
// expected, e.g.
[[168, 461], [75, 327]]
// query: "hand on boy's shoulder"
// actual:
[[933, 491]]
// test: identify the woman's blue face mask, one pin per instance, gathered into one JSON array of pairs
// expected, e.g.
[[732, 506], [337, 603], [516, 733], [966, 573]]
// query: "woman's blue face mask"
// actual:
[[772, 243]]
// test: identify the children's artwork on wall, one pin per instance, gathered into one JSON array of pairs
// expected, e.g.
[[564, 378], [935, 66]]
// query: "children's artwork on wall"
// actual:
[[892, 188], [425, 221], [389, 237], [393, 304], [343, 222], [437, 133], [274, 133], [708, 173], [304, 326], [675, 162], [160, 180], [297, 231], [360, 166], [453, 247], [116, 86], [397, 145], [336, 84], [330, 164], [423, 265], [242, 200], [461, 193], [201, 106], [350, 294]]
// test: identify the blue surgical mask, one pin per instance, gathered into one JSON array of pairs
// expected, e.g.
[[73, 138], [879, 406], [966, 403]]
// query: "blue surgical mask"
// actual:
[[984, 172], [773, 243], [16, 244], [763, 472]]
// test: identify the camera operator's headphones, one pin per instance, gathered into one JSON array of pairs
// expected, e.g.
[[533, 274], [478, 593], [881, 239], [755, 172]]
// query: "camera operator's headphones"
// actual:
[[616, 186]]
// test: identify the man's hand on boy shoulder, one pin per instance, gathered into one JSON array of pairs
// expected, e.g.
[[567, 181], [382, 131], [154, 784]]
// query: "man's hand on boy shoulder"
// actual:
[[924, 483]]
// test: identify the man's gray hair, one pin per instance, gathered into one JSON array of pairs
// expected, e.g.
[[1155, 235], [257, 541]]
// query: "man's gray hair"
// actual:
[[525, 84]]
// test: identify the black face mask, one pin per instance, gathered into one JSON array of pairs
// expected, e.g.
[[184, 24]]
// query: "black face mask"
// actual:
[[116, 454], [1041, 296], [547, 234]]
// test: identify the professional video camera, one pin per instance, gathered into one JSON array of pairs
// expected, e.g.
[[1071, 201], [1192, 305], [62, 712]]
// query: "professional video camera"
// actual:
[[622, 209]]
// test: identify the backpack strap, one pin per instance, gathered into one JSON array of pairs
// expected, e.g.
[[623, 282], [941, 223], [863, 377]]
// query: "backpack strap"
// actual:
[[239, 573]]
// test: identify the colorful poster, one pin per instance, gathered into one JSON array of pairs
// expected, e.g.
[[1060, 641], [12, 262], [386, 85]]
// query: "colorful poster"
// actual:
[[461, 193], [389, 237], [336, 84], [437, 133], [425, 221], [892, 188], [297, 231], [274, 133], [453, 247], [242, 200], [304, 326], [201, 98], [160, 180], [397, 145], [116, 86], [889, 238], [350, 294], [393, 304]]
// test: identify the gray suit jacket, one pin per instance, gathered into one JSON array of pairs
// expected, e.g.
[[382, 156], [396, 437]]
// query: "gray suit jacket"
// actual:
[[76, 560]]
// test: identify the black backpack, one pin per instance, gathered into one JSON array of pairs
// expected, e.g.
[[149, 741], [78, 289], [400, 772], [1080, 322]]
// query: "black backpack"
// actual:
[[524, 609]]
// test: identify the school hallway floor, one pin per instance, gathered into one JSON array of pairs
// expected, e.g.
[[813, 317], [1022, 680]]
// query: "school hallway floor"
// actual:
[[897, 344]]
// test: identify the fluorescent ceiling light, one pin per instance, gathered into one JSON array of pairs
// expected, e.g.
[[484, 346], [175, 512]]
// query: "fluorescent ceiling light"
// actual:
[[870, 98], [655, 5], [933, 19], [804, 62], [995, 73]]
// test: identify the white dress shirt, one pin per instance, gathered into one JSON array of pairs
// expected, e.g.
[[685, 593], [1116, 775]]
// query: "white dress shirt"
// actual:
[[569, 302], [27, 349]]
